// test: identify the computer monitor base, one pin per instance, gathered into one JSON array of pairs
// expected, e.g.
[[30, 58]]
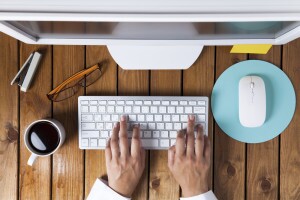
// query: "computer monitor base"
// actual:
[[155, 57]]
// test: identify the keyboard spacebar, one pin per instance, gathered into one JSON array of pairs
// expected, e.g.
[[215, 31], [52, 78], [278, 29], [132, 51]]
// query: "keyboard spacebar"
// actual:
[[149, 143]]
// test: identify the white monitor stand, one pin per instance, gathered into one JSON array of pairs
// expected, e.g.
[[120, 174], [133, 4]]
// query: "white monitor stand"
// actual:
[[155, 57]]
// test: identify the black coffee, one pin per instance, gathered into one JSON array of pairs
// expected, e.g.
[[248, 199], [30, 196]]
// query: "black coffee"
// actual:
[[43, 137]]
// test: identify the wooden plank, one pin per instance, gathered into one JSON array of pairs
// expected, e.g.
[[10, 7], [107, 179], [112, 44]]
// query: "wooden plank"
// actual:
[[136, 83], [289, 139], [262, 159], [198, 80], [106, 85], [68, 163], [162, 184], [229, 157], [35, 181], [9, 125]]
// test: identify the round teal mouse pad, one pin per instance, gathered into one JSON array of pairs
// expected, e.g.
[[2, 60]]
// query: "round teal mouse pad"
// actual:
[[280, 100]]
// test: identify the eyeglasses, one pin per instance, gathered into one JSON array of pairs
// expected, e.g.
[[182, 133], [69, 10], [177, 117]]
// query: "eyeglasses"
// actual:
[[70, 86]]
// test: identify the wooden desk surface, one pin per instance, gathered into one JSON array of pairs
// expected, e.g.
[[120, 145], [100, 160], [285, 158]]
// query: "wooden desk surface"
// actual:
[[270, 170]]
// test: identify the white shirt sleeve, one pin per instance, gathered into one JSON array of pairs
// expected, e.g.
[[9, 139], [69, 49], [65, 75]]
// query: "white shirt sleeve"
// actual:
[[101, 190], [205, 196]]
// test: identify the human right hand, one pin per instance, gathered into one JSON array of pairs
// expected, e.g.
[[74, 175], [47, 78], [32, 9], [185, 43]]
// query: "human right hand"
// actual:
[[189, 161]]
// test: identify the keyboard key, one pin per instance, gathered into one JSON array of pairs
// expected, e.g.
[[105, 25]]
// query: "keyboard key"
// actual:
[[158, 118], [94, 142], [149, 118], [129, 102], [102, 142], [173, 134], [102, 109], [199, 110], [184, 103], [94, 102], [93, 109], [145, 109], [84, 102], [110, 109], [167, 118], [120, 102], [119, 109], [111, 102], [174, 103], [149, 142], [106, 118], [169, 126], [173, 141], [115, 118], [192, 103], [177, 126], [162, 109], [99, 126], [156, 102], [90, 134], [188, 110], [201, 103], [171, 109], [164, 143], [151, 126], [97, 118], [147, 102], [88, 126], [138, 102], [183, 118], [85, 118], [155, 134], [104, 134], [136, 109], [108, 126], [175, 118], [143, 126], [153, 109], [127, 109], [201, 118], [160, 126], [147, 134], [132, 118], [85, 142], [102, 102], [164, 134], [84, 109], [165, 103], [179, 110], [141, 118]]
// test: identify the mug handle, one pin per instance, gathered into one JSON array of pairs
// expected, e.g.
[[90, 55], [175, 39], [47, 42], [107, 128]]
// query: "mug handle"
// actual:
[[31, 159]]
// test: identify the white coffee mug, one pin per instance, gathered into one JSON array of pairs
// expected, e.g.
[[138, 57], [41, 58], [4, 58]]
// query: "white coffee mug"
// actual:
[[34, 153]]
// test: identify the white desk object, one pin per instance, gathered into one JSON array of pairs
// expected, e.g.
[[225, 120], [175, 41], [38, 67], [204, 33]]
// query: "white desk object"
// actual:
[[164, 29]]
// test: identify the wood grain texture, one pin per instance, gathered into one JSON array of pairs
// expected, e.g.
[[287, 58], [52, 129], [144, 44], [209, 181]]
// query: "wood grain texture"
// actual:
[[35, 181], [262, 158], [290, 140], [198, 80], [136, 83], [9, 124], [106, 85], [229, 156], [68, 162], [162, 185]]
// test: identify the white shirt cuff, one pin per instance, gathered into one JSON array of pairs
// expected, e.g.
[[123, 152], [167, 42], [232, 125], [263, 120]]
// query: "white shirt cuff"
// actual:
[[101, 190], [205, 196]]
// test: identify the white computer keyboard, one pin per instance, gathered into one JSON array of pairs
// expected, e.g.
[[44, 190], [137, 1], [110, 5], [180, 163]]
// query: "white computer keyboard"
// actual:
[[159, 117]]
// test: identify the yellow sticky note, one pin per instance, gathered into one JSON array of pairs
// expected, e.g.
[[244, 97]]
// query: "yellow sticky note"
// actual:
[[251, 48]]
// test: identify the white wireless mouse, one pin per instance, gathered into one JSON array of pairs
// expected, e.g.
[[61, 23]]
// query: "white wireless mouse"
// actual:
[[252, 101]]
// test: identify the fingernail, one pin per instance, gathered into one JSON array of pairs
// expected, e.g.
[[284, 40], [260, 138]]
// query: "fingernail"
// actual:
[[123, 118], [116, 124], [107, 141], [192, 117]]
